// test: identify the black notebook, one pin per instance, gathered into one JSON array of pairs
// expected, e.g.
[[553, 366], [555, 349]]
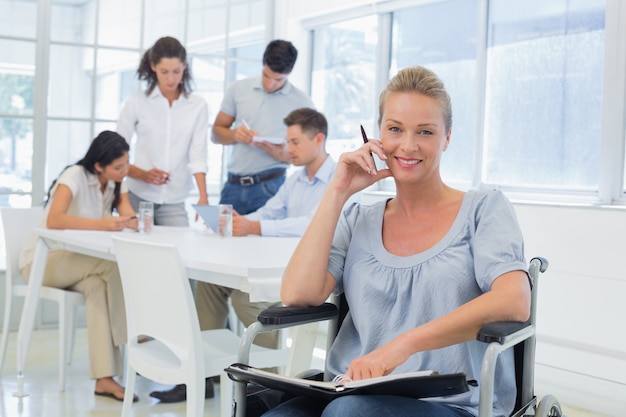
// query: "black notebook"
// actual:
[[420, 384]]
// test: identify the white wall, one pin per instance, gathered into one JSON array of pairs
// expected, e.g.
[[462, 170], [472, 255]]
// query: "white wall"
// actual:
[[581, 341]]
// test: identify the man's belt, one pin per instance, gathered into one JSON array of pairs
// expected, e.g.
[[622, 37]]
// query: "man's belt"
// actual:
[[246, 180]]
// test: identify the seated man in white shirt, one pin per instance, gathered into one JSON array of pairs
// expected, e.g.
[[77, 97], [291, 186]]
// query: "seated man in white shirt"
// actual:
[[287, 213]]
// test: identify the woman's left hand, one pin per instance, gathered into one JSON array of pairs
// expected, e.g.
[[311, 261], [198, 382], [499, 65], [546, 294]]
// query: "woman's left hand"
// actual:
[[115, 223]]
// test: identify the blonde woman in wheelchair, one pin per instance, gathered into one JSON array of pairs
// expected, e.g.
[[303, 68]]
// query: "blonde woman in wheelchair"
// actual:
[[422, 272]]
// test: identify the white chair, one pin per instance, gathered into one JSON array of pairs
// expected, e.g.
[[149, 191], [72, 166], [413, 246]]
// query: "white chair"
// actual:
[[18, 224], [159, 304]]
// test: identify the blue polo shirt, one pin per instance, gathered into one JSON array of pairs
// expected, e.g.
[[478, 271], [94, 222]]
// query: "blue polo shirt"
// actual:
[[247, 100]]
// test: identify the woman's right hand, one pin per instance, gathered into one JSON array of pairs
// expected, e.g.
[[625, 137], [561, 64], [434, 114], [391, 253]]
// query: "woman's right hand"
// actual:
[[356, 170], [156, 176], [115, 223]]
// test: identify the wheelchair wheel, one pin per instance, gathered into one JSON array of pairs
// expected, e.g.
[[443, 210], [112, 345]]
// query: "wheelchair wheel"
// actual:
[[548, 407]]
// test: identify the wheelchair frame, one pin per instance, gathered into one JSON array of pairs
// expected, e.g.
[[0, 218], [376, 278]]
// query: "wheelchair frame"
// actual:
[[500, 336]]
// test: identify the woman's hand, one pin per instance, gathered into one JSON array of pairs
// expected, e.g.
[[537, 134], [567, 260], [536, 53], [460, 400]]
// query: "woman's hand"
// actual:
[[156, 176], [356, 170], [379, 362], [116, 223]]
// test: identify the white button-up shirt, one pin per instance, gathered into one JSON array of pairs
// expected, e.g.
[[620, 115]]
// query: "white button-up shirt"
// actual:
[[171, 138]]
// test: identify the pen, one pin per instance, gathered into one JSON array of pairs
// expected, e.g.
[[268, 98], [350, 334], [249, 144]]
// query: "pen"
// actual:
[[365, 141], [243, 121]]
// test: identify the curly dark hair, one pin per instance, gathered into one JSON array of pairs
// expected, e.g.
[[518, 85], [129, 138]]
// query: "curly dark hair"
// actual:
[[165, 47]]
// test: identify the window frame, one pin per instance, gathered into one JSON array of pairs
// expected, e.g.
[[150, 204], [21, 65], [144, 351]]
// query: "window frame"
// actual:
[[611, 189]]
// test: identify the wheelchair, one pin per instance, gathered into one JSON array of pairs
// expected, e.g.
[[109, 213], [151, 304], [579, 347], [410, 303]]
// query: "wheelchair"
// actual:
[[499, 336]]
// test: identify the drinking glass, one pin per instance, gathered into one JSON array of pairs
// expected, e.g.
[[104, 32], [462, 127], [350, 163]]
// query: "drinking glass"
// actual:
[[225, 220], [146, 217]]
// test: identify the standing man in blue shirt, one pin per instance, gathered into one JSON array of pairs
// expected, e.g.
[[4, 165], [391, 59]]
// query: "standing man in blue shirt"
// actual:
[[288, 213], [256, 107]]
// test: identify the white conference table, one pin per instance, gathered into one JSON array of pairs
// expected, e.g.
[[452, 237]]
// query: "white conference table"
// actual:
[[252, 264]]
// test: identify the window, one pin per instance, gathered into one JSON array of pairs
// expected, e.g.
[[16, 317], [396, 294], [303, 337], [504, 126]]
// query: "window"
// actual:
[[17, 81], [526, 81], [419, 38], [543, 103], [344, 71], [93, 52]]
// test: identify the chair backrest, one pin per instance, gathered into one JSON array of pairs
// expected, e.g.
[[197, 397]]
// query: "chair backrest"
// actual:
[[158, 298], [18, 224]]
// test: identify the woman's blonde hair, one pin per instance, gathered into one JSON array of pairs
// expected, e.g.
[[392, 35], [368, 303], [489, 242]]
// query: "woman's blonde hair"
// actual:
[[418, 80]]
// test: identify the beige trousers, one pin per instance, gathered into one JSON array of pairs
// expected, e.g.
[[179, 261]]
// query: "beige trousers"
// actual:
[[212, 306], [99, 280]]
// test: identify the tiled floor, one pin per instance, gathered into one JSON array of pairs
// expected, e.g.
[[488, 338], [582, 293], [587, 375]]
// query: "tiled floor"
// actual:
[[45, 400]]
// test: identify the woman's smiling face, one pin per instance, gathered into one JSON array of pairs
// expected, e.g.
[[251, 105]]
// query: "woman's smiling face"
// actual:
[[413, 133]]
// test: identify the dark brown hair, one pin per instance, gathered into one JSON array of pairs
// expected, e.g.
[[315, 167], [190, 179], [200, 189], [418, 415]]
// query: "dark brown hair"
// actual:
[[280, 56], [310, 121], [166, 47], [104, 149]]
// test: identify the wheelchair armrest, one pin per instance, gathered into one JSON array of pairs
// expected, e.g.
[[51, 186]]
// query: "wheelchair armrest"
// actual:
[[297, 315], [498, 331]]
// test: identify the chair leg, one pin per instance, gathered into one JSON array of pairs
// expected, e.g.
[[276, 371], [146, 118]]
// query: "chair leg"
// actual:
[[63, 329], [70, 334], [226, 395], [5, 327], [131, 376], [195, 397]]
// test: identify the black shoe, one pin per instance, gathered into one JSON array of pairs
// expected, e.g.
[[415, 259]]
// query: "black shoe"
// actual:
[[179, 393]]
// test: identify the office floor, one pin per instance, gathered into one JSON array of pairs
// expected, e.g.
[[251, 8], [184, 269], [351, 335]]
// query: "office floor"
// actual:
[[78, 399]]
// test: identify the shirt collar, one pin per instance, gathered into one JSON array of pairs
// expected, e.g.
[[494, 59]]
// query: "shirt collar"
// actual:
[[323, 174], [258, 85], [156, 93], [92, 180]]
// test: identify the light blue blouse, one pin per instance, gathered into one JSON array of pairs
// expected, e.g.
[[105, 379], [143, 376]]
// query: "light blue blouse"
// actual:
[[389, 294]]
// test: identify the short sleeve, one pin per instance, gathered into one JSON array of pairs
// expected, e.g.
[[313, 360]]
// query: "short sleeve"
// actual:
[[341, 243], [71, 179], [229, 106], [498, 242]]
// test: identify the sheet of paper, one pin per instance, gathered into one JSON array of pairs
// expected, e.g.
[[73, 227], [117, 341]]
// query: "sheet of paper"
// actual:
[[275, 141]]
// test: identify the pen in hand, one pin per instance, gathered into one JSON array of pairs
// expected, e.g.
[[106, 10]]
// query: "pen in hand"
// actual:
[[365, 141]]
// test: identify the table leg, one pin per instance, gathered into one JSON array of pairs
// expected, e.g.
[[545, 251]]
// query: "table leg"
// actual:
[[29, 311]]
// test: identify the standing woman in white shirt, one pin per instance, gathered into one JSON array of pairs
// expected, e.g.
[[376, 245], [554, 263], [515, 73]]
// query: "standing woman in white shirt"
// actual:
[[170, 124], [83, 197]]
